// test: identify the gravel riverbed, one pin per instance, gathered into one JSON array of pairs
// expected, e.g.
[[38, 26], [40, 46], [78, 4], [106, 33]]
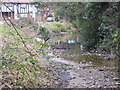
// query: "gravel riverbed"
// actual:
[[78, 75]]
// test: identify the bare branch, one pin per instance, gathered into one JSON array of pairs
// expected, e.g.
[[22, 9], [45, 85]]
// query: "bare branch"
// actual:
[[16, 31]]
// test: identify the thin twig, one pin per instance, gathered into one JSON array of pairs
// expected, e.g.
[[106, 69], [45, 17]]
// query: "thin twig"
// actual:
[[25, 44], [7, 7], [18, 32], [6, 21], [33, 36], [6, 84], [51, 68]]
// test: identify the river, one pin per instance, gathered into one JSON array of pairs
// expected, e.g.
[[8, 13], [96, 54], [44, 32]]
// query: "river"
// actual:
[[82, 69]]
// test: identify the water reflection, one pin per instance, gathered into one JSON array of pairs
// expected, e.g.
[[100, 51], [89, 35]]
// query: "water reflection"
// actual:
[[96, 61], [76, 55]]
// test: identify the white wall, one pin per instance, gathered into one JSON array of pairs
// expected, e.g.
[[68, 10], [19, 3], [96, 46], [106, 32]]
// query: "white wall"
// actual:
[[32, 10], [5, 9], [15, 12]]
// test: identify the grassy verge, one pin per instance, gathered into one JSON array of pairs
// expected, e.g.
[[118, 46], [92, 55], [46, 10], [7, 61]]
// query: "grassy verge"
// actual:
[[19, 67]]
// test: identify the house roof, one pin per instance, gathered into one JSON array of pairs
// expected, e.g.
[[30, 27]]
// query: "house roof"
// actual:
[[15, 1]]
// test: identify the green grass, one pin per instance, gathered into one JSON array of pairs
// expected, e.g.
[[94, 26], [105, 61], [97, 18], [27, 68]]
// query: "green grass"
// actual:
[[22, 67]]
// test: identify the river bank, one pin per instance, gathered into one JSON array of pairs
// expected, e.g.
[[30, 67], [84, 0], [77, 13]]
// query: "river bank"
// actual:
[[75, 73]]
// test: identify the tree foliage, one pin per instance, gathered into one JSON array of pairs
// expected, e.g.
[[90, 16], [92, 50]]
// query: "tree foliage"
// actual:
[[96, 22]]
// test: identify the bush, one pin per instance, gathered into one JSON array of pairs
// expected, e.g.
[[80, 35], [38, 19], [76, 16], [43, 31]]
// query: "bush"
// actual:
[[89, 34], [20, 67], [56, 19], [116, 37], [44, 33], [50, 15], [60, 27]]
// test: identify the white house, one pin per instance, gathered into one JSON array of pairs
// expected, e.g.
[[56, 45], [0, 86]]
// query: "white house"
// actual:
[[15, 9]]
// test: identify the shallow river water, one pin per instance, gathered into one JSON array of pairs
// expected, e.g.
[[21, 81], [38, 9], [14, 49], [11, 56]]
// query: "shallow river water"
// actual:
[[88, 70]]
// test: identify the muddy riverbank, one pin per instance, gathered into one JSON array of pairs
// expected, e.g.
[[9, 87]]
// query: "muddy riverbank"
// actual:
[[78, 70]]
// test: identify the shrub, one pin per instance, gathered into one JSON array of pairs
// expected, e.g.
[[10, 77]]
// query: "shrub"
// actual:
[[116, 37], [89, 34], [60, 27], [20, 67], [44, 33], [50, 15]]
